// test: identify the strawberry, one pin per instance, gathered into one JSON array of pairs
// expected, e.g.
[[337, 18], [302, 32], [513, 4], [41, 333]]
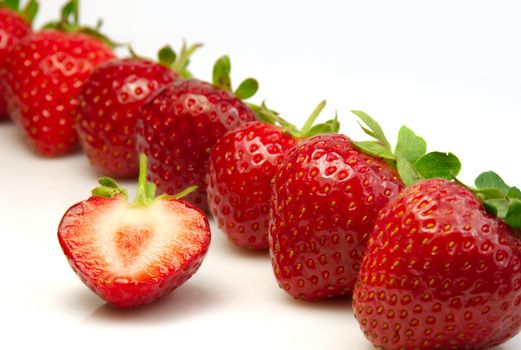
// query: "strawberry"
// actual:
[[14, 26], [43, 74], [241, 170], [440, 272], [110, 101], [182, 122], [133, 254], [326, 197]]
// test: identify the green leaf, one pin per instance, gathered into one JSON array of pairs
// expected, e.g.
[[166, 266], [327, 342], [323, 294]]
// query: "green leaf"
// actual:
[[179, 195], [514, 193], [166, 56], [104, 192], [489, 193], [183, 60], [92, 32], [221, 73], [11, 4], [247, 89], [438, 165], [373, 129], [108, 192], [497, 207], [70, 9], [329, 126], [410, 146], [407, 172], [308, 125], [185, 192], [490, 179], [30, 10], [109, 188], [335, 125], [108, 182], [513, 216], [375, 149]]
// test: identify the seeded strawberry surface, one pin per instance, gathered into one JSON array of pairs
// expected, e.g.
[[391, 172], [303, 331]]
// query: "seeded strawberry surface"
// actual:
[[43, 75], [240, 176], [327, 195], [178, 129], [13, 28], [110, 102], [439, 273]]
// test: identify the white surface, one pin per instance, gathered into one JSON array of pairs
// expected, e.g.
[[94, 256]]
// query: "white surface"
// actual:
[[449, 70]]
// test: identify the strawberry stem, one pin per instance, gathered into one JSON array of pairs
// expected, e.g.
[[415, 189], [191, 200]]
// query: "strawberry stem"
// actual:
[[145, 190]]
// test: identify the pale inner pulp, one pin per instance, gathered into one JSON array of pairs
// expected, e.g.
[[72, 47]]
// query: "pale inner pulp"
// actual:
[[130, 238]]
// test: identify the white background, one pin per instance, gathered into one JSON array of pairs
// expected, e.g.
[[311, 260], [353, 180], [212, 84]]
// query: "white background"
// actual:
[[450, 70]]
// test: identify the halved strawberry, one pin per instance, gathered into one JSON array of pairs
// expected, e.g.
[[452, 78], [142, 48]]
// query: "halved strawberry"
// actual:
[[132, 254]]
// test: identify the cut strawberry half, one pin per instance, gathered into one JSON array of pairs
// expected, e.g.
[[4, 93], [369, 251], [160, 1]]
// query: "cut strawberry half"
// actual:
[[132, 254]]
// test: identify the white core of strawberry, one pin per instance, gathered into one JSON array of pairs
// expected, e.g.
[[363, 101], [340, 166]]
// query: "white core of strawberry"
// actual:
[[157, 234]]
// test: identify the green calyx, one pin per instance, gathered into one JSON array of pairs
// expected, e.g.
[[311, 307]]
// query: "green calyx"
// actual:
[[409, 156], [69, 22], [413, 164], [309, 129], [499, 199], [170, 59], [29, 12], [146, 191], [221, 78], [178, 63]]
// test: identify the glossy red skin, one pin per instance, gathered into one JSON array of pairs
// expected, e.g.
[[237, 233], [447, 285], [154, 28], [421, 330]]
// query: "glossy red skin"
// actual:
[[43, 74], [13, 28], [110, 103], [439, 273], [240, 179], [178, 129], [325, 201], [122, 292]]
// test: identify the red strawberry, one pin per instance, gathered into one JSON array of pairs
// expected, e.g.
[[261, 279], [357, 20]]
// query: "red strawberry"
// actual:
[[110, 102], [180, 125], [43, 75], [326, 197], [14, 26], [240, 175], [133, 254], [440, 273]]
